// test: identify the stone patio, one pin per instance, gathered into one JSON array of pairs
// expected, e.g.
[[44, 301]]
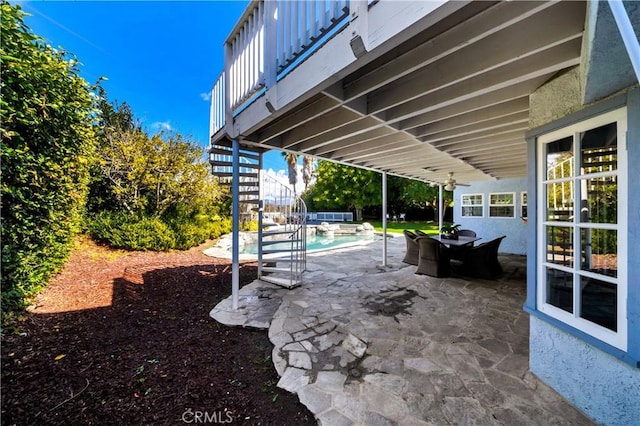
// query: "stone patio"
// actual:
[[367, 345]]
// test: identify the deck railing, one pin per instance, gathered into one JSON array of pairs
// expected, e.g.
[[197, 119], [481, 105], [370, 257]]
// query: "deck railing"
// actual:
[[272, 37], [303, 24], [217, 117], [245, 55]]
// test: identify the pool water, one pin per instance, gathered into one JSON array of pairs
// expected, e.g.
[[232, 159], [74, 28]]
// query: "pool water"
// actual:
[[318, 243]]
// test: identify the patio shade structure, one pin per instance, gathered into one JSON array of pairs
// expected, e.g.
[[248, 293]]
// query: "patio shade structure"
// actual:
[[417, 89], [475, 90], [435, 98]]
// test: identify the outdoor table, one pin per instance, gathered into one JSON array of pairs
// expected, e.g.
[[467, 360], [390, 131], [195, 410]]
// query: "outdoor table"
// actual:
[[461, 241]]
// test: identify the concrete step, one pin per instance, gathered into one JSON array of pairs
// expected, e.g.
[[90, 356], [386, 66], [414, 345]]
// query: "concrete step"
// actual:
[[272, 242], [229, 164], [269, 251], [250, 201], [279, 232], [283, 282], [252, 183], [276, 269], [229, 152], [229, 174], [278, 259]]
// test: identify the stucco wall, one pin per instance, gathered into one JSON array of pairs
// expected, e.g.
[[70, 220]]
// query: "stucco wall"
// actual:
[[603, 387], [487, 227], [601, 381], [633, 224], [556, 98]]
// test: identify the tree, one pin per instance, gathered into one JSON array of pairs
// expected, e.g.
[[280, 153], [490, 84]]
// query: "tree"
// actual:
[[307, 171], [413, 193], [345, 187], [151, 175], [150, 192], [292, 166], [115, 120], [47, 145]]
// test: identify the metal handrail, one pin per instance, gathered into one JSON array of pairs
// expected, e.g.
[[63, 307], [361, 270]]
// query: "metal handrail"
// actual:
[[285, 203]]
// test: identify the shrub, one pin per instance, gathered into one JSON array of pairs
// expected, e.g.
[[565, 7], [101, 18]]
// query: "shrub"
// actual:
[[47, 146], [121, 230], [249, 226]]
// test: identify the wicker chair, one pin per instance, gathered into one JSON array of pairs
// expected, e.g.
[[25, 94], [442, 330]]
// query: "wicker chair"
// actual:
[[419, 233], [411, 256], [458, 252], [434, 258], [466, 233], [482, 261]]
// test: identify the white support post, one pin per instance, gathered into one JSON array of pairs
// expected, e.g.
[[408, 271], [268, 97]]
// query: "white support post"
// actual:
[[628, 34], [235, 224], [440, 207], [260, 216], [384, 219]]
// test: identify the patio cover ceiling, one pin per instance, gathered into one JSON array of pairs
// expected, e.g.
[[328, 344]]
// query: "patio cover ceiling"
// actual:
[[452, 98]]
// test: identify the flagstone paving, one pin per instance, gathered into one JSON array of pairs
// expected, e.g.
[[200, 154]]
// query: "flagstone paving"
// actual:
[[362, 344]]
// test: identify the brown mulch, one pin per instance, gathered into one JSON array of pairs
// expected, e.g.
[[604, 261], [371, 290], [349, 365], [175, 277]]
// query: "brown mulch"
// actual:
[[125, 338]]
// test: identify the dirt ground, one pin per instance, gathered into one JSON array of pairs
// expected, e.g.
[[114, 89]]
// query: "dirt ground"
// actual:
[[125, 338]]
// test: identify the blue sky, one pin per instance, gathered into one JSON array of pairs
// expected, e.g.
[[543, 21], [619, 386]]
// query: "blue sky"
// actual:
[[161, 57]]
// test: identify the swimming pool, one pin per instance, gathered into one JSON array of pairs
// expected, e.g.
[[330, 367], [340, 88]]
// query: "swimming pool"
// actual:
[[318, 242]]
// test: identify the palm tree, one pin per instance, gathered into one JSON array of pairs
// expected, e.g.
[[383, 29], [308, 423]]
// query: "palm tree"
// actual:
[[292, 165], [307, 170]]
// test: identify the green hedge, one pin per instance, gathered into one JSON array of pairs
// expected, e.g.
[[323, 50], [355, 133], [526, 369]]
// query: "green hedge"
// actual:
[[123, 230], [47, 146]]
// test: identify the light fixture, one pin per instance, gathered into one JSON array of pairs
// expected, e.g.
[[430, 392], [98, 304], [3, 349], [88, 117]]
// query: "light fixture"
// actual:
[[450, 183], [270, 106], [357, 46]]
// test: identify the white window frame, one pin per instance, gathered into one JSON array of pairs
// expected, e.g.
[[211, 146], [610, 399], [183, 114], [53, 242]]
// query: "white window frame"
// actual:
[[617, 338], [463, 204], [513, 204], [523, 203]]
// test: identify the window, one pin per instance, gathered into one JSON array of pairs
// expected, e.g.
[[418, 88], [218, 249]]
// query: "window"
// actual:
[[523, 205], [502, 204], [472, 205], [582, 218]]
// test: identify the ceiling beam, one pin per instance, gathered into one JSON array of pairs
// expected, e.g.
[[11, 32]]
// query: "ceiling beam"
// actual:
[[374, 151], [479, 128], [527, 67], [482, 116], [468, 106], [474, 29], [513, 130], [551, 31], [313, 109], [378, 132], [332, 120]]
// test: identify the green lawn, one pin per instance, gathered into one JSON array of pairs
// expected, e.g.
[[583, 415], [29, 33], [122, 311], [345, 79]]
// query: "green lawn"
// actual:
[[427, 227]]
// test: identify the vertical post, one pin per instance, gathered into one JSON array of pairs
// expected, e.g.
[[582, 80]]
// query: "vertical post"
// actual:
[[440, 207], [260, 214], [235, 176], [235, 223], [384, 219]]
